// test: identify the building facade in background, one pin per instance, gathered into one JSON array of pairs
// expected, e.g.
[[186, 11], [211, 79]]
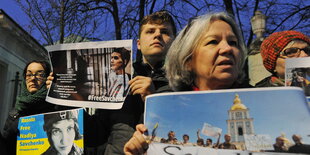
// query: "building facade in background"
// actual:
[[17, 48]]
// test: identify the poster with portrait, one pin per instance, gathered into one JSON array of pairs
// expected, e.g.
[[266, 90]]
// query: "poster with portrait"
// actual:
[[91, 74], [249, 119], [297, 73], [51, 133]]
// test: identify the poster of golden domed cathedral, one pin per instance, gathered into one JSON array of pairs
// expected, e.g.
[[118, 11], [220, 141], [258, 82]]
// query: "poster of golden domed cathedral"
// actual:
[[228, 121]]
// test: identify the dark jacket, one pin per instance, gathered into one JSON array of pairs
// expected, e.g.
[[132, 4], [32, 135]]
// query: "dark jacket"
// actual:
[[300, 148], [26, 104], [116, 127]]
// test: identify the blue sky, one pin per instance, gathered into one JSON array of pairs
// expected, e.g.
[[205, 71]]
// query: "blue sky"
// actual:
[[274, 112], [13, 10]]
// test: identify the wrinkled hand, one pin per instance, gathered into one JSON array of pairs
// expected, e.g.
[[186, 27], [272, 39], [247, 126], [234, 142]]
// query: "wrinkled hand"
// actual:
[[142, 85], [49, 80], [137, 144]]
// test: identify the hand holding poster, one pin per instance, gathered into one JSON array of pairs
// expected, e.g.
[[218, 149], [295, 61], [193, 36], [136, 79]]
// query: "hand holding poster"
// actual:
[[91, 74], [239, 113], [297, 73], [51, 133]]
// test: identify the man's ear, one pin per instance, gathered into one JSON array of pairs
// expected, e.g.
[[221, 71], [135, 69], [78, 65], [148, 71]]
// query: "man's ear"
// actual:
[[138, 44]]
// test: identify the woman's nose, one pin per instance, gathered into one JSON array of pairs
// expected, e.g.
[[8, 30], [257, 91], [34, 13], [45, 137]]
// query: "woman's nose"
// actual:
[[225, 47]]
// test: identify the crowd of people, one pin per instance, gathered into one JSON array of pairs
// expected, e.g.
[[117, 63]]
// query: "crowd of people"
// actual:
[[200, 142], [282, 145], [207, 54]]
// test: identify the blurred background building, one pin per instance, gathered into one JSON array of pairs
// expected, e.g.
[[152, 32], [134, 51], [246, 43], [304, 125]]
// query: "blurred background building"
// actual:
[[257, 71], [17, 48]]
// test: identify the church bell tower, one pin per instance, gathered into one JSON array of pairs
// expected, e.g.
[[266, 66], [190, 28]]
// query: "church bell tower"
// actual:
[[239, 122]]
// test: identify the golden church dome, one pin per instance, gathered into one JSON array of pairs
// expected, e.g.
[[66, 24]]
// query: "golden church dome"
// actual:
[[238, 104]]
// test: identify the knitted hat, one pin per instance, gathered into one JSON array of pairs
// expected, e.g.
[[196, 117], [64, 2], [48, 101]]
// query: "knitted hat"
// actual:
[[275, 43]]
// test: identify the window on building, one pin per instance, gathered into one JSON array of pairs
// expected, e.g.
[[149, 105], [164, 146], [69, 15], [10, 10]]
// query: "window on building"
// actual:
[[240, 131]]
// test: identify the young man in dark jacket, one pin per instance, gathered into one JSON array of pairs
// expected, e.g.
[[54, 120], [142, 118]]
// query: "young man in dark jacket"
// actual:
[[157, 31]]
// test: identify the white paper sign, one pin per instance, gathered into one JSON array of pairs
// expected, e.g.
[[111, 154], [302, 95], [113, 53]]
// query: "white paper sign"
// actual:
[[258, 142], [210, 130]]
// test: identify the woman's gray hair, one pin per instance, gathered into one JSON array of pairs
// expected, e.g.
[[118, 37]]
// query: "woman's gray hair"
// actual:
[[181, 50]]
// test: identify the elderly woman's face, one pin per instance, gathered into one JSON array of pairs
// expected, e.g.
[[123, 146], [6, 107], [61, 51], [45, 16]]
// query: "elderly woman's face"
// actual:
[[280, 63], [35, 77], [116, 61], [215, 60], [63, 135]]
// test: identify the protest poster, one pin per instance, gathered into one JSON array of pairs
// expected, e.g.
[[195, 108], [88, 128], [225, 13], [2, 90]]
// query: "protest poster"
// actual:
[[91, 74], [210, 130], [272, 112], [258, 142], [62, 129], [297, 73]]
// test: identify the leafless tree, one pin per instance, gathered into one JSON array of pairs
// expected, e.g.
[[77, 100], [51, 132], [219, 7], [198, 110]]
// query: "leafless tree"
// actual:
[[60, 18], [57, 19]]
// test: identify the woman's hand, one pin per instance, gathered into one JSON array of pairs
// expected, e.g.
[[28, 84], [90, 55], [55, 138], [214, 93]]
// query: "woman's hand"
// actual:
[[137, 144]]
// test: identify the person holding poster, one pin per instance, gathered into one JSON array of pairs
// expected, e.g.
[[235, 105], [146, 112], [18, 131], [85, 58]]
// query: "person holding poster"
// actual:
[[118, 79], [62, 129], [276, 48], [156, 33], [208, 54], [107, 131], [31, 101]]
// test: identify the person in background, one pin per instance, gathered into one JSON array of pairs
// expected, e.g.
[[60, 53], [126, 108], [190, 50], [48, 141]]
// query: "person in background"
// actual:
[[299, 147], [276, 48], [171, 138], [186, 140], [62, 129], [209, 143], [227, 144], [279, 146], [30, 101], [208, 54], [200, 142]]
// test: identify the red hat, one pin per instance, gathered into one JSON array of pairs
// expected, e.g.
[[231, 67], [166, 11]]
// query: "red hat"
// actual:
[[275, 43]]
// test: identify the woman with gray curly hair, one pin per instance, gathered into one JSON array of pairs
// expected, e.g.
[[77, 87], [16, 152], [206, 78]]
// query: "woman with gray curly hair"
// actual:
[[208, 54]]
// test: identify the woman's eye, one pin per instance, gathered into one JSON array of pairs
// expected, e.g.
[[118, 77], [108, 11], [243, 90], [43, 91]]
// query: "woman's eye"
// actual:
[[70, 128], [233, 43], [212, 42], [55, 132]]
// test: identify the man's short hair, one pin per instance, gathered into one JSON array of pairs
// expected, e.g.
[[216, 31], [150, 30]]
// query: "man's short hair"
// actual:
[[159, 17]]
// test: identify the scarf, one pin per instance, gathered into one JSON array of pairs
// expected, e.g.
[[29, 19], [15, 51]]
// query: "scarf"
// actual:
[[29, 104]]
